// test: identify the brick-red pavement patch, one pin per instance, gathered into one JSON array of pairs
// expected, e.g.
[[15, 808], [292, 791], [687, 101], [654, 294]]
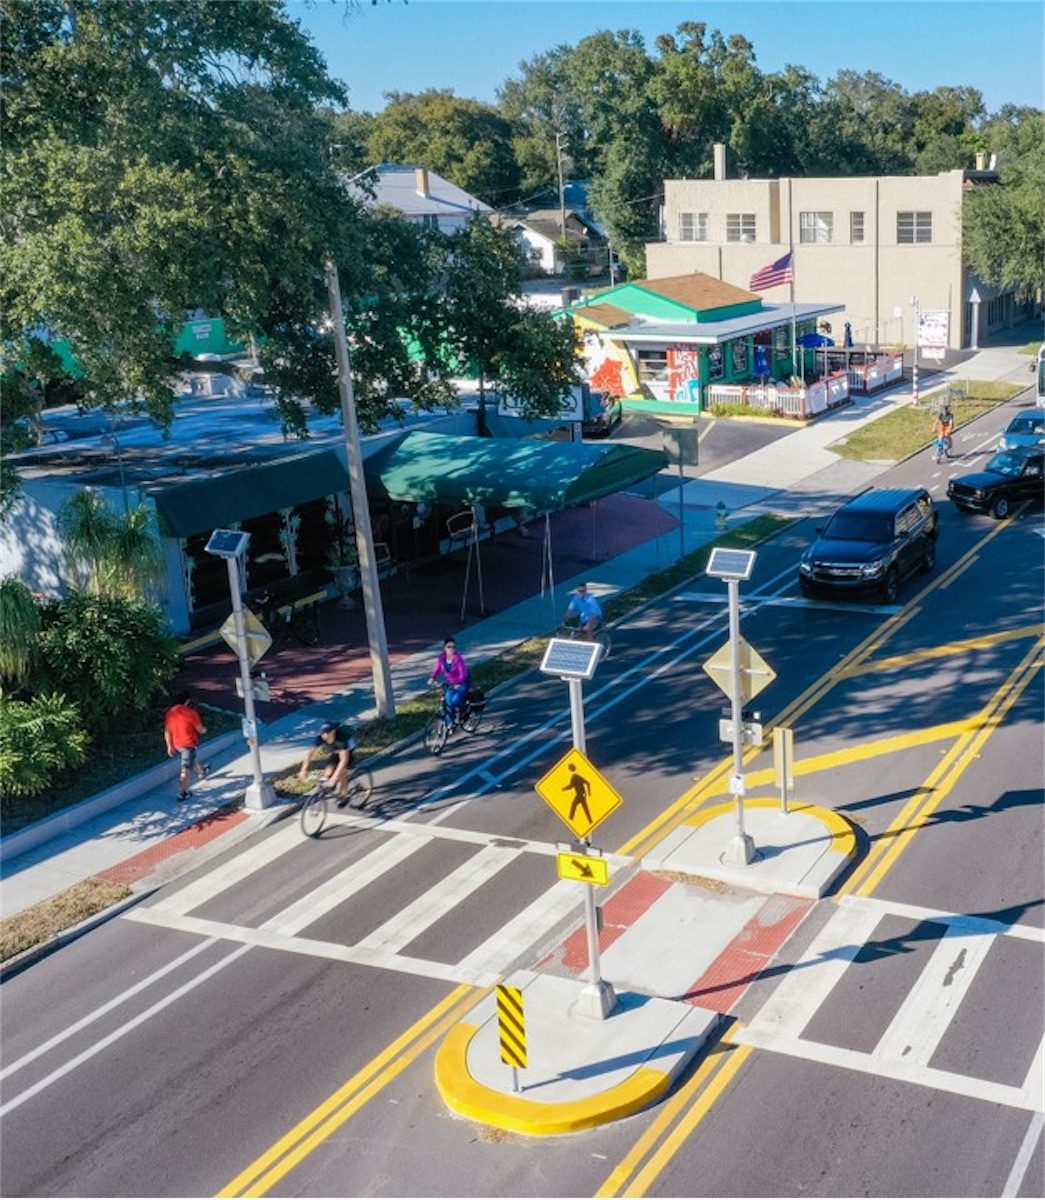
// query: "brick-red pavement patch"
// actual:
[[190, 838], [746, 957], [622, 910]]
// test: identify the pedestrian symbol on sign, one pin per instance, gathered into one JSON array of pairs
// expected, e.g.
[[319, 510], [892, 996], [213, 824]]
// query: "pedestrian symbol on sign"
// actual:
[[581, 789]]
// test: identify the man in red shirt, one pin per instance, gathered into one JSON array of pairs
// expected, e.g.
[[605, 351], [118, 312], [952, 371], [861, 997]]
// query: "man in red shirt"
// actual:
[[181, 731]]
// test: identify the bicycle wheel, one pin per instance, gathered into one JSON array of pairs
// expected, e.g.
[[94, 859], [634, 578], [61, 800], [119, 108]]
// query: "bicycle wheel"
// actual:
[[435, 735], [359, 787], [472, 720], [314, 812], [606, 642]]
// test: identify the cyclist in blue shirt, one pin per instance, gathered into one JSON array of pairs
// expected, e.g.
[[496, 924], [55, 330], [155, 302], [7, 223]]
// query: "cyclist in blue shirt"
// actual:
[[586, 608]]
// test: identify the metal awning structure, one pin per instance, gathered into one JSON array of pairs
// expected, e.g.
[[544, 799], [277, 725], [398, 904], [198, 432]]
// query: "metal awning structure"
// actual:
[[227, 497], [510, 473]]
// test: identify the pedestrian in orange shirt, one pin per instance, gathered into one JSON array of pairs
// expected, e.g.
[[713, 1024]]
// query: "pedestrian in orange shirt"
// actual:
[[182, 727]]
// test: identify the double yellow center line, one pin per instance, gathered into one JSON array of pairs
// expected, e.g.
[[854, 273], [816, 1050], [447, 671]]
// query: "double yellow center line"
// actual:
[[265, 1172]]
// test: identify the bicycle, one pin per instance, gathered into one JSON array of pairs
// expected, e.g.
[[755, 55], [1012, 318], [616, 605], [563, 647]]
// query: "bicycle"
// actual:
[[441, 727], [299, 623], [574, 632], [353, 793], [942, 447]]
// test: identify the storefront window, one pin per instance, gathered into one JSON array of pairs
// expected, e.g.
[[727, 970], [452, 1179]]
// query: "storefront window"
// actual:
[[715, 362]]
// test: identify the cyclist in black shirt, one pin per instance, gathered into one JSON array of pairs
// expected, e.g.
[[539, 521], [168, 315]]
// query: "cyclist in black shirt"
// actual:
[[336, 740]]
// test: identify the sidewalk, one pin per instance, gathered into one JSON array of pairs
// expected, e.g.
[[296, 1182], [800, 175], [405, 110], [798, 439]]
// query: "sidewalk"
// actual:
[[139, 839]]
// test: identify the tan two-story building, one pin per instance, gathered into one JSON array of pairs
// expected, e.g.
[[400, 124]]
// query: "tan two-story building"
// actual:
[[874, 243]]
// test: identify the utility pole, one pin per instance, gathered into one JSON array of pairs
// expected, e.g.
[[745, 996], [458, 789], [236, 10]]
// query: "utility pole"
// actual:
[[375, 617], [560, 145]]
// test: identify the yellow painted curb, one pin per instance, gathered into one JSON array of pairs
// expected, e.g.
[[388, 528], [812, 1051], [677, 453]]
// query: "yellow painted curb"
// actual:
[[464, 1094], [843, 836]]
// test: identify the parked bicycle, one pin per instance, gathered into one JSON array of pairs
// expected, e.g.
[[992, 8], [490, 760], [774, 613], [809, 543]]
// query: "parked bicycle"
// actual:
[[574, 632], [355, 792], [443, 726], [284, 621]]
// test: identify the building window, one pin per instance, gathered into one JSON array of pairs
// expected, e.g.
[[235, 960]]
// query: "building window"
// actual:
[[856, 226], [815, 227], [740, 227], [429, 220], [693, 227], [652, 366], [914, 227]]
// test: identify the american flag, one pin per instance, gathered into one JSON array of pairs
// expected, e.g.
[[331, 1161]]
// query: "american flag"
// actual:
[[773, 275]]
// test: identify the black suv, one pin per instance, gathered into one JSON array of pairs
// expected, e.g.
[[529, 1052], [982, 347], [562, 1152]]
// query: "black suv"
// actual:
[[872, 543], [1009, 477]]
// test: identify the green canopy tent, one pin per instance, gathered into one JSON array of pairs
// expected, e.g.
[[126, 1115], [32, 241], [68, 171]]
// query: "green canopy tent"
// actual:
[[519, 473]]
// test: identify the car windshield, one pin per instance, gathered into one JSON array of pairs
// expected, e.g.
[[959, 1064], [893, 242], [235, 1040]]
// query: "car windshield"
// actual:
[[1030, 423], [1006, 464], [860, 527]]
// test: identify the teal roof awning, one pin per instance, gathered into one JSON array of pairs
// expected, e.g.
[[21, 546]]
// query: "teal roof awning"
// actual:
[[511, 473], [214, 501]]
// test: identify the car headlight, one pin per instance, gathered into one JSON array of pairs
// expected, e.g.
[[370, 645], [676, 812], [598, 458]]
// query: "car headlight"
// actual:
[[872, 568], [805, 568]]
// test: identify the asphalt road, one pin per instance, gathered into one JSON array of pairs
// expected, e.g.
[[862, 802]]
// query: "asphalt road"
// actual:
[[167, 1052]]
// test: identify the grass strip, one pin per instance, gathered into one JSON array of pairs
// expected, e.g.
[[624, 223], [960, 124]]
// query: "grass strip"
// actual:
[[906, 430], [47, 919]]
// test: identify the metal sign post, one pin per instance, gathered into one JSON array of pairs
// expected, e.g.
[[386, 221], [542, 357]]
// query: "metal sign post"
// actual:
[[592, 799], [733, 566], [230, 545]]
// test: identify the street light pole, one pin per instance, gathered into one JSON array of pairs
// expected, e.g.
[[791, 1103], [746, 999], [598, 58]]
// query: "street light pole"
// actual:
[[560, 142], [375, 618]]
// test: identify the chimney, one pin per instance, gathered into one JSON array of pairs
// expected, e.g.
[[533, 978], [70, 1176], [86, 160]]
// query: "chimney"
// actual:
[[719, 150], [421, 180], [981, 160]]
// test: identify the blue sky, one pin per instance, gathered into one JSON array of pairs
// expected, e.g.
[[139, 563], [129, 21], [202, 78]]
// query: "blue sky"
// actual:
[[472, 46]]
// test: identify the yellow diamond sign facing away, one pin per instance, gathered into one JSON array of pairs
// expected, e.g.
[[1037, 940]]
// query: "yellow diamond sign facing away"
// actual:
[[755, 672], [258, 640], [578, 793]]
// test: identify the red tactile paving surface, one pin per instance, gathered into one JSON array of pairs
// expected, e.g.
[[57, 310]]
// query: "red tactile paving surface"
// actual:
[[621, 911], [423, 606], [131, 870], [746, 957]]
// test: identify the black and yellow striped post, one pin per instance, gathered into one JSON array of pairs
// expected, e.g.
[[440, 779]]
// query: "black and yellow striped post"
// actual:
[[511, 1025]]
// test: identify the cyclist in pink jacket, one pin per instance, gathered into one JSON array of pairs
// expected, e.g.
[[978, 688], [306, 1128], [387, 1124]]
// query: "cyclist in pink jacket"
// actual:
[[456, 680]]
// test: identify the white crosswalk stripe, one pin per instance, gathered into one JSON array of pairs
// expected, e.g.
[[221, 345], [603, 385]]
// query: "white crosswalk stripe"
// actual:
[[383, 946], [922, 1020]]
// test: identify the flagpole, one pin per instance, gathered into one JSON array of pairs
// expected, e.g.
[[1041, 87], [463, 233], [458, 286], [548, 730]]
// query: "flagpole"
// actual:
[[791, 252]]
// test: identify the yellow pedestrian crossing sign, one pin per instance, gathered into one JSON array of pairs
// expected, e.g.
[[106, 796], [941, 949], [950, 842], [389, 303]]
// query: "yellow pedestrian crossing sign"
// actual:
[[258, 639], [755, 672], [578, 793]]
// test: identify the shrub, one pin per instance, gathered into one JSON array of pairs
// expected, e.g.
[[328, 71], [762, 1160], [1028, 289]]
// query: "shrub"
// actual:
[[39, 739], [112, 657], [19, 629]]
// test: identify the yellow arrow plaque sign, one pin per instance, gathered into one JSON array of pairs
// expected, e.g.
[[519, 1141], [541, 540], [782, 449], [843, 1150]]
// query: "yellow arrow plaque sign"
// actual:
[[755, 672], [583, 868], [578, 793], [258, 639]]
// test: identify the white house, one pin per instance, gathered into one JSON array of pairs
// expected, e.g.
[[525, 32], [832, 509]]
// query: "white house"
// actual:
[[420, 195], [539, 234]]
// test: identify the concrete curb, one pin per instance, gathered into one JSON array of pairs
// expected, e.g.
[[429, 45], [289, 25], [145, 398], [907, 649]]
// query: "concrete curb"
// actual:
[[644, 1046], [34, 954]]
